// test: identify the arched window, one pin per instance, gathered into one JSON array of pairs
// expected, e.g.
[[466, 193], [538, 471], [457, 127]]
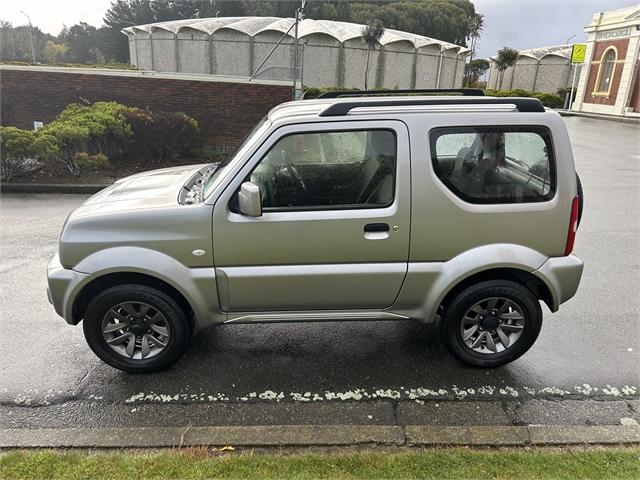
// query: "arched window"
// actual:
[[607, 69]]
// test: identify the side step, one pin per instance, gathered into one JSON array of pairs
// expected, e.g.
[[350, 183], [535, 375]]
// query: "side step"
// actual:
[[314, 316]]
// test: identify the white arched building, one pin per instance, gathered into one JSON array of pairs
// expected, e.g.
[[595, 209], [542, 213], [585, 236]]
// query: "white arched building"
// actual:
[[544, 69], [331, 53]]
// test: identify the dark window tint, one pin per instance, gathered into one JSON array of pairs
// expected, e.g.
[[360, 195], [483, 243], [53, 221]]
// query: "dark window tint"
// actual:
[[346, 169], [495, 164]]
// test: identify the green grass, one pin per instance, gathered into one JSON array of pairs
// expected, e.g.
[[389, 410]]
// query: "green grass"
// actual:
[[459, 464]]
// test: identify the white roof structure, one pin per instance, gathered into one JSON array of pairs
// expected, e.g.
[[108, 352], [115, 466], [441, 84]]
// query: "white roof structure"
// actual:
[[541, 52], [341, 31]]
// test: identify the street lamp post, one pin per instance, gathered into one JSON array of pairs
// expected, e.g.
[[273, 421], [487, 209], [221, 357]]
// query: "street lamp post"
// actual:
[[299, 17], [33, 52]]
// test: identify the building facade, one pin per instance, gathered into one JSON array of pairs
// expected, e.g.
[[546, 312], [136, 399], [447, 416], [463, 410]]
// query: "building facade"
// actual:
[[331, 54], [610, 81]]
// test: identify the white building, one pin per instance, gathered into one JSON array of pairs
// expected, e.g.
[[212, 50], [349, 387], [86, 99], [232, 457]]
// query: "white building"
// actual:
[[331, 53], [544, 69]]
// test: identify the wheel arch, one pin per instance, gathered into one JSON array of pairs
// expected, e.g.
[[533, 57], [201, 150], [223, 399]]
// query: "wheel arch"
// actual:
[[195, 286], [101, 283], [523, 277]]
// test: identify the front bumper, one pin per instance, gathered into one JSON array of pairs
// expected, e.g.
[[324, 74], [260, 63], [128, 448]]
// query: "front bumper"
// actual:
[[562, 276], [63, 285]]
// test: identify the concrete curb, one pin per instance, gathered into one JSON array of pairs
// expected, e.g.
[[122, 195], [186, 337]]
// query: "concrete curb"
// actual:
[[599, 116], [49, 188], [319, 435]]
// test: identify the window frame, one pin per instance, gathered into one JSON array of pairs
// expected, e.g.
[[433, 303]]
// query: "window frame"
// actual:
[[544, 133], [321, 208], [601, 64]]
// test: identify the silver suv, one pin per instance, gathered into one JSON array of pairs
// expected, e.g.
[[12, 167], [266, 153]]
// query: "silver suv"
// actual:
[[459, 209]]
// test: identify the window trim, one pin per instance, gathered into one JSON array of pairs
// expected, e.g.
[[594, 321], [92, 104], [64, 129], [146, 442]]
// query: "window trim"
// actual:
[[596, 87], [543, 131], [324, 208]]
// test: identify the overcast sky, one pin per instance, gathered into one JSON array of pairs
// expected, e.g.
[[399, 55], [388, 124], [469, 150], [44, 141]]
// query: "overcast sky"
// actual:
[[519, 24]]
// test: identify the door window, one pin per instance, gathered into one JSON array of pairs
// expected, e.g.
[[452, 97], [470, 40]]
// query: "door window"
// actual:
[[328, 170], [495, 164]]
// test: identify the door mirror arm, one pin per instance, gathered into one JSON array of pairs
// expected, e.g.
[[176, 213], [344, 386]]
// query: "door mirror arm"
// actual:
[[249, 200]]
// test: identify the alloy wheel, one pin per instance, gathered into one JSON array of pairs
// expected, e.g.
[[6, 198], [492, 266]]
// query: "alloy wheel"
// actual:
[[492, 325], [136, 330]]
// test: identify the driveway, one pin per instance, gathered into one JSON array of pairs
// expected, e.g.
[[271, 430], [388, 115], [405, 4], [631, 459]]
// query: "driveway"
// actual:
[[585, 366]]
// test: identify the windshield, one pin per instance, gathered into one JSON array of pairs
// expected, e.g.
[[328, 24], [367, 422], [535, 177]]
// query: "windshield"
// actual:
[[239, 152]]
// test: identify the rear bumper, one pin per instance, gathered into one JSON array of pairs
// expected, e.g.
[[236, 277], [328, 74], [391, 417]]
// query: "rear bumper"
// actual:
[[562, 276], [63, 286]]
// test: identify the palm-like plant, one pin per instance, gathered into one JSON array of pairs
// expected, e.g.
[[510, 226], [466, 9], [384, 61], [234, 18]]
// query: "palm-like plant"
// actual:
[[476, 26], [371, 34], [506, 58]]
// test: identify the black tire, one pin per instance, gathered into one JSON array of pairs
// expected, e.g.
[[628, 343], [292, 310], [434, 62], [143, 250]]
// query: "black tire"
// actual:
[[580, 198], [174, 315], [458, 307]]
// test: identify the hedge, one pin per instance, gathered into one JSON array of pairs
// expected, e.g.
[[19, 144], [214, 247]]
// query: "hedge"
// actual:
[[88, 137], [548, 99]]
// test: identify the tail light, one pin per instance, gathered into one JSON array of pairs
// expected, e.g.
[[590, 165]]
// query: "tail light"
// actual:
[[573, 226]]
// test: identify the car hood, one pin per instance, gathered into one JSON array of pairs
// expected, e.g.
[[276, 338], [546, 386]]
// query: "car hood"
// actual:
[[154, 186]]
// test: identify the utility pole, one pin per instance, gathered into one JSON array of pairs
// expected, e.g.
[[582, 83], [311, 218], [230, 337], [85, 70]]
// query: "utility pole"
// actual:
[[33, 52], [299, 17]]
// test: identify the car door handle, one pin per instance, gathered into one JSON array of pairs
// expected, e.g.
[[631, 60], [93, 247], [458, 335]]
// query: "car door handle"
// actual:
[[376, 227]]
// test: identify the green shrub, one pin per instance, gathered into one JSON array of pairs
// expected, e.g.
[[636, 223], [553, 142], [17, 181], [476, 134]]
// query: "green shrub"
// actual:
[[86, 137], [91, 163], [160, 135], [94, 129], [22, 151], [518, 92], [550, 100], [107, 130]]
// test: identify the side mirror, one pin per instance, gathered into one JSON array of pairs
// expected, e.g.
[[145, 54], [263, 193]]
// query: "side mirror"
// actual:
[[249, 200]]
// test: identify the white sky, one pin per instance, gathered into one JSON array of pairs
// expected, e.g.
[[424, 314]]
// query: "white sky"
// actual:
[[519, 24]]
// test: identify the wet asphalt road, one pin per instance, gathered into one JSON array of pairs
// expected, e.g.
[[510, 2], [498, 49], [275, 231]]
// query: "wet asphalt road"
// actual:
[[373, 372]]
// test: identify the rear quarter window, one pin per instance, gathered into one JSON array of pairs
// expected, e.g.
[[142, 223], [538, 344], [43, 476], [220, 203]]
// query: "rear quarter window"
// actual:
[[498, 164]]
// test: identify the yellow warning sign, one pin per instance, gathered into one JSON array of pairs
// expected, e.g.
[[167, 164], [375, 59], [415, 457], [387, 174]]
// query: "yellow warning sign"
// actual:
[[578, 52]]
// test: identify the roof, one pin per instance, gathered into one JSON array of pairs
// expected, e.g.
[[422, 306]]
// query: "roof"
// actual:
[[341, 31], [615, 18], [325, 108], [541, 52]]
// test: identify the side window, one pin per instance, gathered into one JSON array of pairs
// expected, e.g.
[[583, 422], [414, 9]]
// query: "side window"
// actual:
[[495, 164], [320, 170]]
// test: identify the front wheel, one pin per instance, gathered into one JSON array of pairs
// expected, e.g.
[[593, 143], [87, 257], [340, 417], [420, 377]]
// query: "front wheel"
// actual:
[[491, 323], [136, 328]]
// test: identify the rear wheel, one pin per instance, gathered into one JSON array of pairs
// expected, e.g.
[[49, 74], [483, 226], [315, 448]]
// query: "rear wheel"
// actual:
[[491, 323], [136, 328]]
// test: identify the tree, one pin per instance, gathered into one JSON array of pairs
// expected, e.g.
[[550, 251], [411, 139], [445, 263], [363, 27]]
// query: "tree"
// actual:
[[15, 42], [506, 58], [446, 20], [476, 26], [474, 70], [371, 35], [82, 43], [54, 52]]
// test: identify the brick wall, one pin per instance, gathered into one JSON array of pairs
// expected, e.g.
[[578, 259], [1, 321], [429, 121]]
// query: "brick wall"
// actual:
[[225, 111], [598, 51]]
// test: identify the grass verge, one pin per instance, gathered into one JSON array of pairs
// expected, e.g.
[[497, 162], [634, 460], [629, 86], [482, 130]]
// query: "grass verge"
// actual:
[[444, 463]]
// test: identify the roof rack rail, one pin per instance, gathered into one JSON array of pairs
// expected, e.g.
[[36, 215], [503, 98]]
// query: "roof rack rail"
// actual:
[[521, 104], [467, 92]]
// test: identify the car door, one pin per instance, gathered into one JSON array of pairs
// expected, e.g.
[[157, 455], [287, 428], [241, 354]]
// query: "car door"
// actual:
[[334, 229]]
